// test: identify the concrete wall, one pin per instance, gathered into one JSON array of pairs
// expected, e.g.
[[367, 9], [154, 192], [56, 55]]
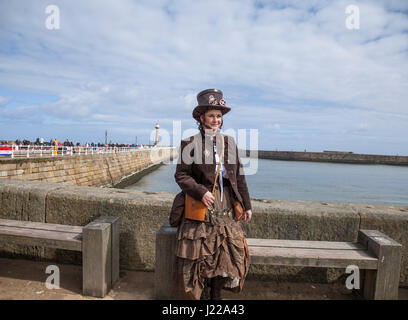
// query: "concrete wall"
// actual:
[[339, 157], [84, 170], [142, 213]]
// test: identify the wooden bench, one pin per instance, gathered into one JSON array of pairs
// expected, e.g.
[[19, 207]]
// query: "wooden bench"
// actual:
[[98, 241], [377, 256]]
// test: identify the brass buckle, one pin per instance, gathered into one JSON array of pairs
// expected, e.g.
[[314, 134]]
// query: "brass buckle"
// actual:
[[222, 213]]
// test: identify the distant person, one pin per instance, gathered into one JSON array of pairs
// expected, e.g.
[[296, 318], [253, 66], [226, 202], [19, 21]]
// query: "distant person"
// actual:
[[212, 254]]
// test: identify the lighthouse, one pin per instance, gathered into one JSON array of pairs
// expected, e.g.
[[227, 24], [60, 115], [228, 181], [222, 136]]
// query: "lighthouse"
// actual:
[[156, 141]]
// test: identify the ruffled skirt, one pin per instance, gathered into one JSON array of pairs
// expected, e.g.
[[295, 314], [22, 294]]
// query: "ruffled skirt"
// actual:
[[214, 247]]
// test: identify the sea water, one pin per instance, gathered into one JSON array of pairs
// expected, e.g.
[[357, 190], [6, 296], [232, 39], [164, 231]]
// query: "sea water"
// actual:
[[308, 181]]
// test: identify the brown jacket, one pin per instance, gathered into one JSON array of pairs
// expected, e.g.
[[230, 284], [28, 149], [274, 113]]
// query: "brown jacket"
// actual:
[[196, 168]]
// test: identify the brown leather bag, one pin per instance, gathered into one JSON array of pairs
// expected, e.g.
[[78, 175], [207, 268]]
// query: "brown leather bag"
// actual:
[[196, 209], [177, 210], [238, 210]]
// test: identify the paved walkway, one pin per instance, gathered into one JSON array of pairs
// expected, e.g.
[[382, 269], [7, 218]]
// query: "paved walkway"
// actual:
[[25, 280]]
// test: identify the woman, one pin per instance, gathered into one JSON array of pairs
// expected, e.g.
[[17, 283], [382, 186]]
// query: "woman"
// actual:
[[211, 254]]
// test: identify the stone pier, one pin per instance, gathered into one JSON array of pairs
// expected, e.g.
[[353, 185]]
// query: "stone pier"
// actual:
[[107, 169], [333, 156]]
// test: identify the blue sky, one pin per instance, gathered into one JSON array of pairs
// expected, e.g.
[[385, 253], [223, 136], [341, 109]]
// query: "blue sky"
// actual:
[[290, 69]]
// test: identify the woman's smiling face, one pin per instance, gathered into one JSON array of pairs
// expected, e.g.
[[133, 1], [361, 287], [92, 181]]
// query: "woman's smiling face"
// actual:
[[212, 119]]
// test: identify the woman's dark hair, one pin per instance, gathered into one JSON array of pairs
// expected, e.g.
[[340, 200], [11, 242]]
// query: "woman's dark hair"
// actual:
[[199, 124]]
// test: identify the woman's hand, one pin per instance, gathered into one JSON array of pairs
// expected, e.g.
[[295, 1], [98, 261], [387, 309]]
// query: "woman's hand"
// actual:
[[247, 215], [208, 199]]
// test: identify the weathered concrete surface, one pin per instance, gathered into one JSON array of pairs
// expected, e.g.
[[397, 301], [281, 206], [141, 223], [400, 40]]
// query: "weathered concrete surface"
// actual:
[[142, 214], [339, 157], [393, 221], [24, 203]]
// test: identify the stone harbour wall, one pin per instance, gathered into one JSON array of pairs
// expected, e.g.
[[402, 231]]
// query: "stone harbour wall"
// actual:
[[84, 170], [142, 213], [338, 157]]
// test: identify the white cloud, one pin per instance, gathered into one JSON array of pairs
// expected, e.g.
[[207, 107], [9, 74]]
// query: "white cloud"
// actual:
[[275, 126], [4, 101], [190, 100], [119, 62]]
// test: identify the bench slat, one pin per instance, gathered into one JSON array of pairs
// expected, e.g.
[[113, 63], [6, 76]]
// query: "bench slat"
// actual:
[[33, 237], [307, 257], [334, 245], [40, 226]]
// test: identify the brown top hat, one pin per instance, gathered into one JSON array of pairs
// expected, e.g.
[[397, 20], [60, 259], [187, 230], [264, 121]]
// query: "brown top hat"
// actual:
[[208, 100]]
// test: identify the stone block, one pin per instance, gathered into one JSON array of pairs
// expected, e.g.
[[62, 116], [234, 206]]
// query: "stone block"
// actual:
[[164, 281], [49, 174], [115, 244], [96, 259], [392, 221], [8, 166], [381, 284]]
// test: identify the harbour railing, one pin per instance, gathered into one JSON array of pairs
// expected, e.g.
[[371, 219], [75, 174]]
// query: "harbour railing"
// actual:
[[28, 151]]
